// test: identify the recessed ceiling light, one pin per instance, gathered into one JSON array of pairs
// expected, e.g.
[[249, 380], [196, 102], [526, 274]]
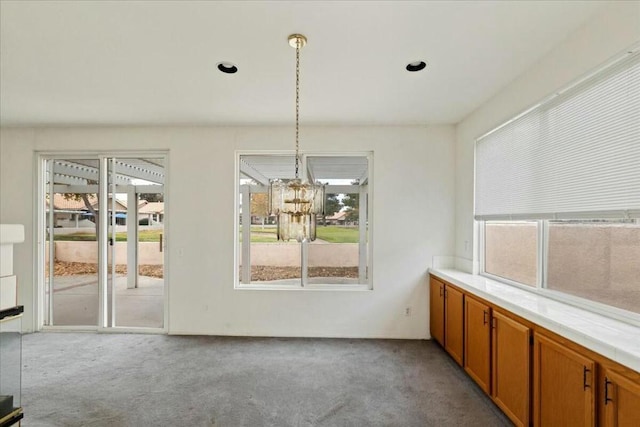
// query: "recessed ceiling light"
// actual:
[[416, 66], [227, 67]]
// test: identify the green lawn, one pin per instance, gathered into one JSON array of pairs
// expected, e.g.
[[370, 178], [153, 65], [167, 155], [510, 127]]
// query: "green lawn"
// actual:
[[267, 237], [330, 233], [335, 234], [144, 236]]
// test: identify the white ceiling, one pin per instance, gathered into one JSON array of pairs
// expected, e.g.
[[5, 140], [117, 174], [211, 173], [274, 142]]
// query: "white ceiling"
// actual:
[[154, 62]]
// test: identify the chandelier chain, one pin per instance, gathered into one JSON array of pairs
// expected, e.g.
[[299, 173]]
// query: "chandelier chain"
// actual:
[[298, 41]]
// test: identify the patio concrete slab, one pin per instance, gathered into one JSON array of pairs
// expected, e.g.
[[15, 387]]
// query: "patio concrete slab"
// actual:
[[75, 301]]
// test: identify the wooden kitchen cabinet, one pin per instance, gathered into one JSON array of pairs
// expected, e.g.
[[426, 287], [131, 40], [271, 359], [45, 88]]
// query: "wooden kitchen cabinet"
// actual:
[[535, 376], [564, 382], [620, 400], [446, 316], [436, 310], [477, 342], [454, 327], [511, 367]]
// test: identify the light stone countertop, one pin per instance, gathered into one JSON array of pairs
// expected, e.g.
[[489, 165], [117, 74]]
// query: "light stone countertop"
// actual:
[[614, 339]]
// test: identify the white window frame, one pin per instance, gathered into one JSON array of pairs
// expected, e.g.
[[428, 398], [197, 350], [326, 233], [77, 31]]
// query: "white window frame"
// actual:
[[482, 256], [541, 282], [302, 285]]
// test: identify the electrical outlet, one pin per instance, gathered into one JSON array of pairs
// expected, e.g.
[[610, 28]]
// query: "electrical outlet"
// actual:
[[407, 311]]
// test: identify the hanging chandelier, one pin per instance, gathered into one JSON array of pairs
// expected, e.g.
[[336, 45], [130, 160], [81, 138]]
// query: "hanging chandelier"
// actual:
[[296, 202]]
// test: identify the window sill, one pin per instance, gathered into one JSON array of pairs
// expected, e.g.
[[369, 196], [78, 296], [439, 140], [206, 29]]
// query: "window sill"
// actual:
[[296, 287], [614, 339]]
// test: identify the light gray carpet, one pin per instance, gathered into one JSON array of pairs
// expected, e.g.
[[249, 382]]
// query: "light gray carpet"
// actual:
[[83, 379]]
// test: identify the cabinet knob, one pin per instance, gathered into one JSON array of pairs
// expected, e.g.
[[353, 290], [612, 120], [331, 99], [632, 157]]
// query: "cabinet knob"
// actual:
[[485, 317]]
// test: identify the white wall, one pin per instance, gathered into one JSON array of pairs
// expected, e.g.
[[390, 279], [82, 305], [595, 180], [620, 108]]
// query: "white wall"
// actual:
[[413, 220], [610, 32]]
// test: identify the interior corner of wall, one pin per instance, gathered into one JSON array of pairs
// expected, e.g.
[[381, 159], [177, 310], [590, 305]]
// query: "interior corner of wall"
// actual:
[[440, 261], [466, 265]]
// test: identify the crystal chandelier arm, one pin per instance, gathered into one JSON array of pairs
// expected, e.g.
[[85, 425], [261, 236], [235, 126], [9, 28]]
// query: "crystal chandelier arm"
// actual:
[[298, 42]]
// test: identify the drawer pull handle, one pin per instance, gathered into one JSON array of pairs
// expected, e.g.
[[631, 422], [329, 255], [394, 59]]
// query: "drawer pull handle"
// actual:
[[485, 317], [584, 378], [607, 399]]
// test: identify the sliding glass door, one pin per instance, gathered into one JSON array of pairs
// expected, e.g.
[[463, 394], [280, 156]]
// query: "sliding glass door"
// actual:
[[103, 241], [71, 249]]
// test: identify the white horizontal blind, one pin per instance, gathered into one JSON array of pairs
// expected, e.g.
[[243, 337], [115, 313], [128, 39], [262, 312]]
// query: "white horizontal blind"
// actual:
[[576, 155]]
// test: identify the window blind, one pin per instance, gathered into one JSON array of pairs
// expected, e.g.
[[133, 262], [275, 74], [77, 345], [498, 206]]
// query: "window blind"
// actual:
[[575, 155]]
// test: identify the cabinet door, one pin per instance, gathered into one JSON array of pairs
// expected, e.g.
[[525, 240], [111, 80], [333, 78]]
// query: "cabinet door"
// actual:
[[436, 310], [477, 341], [510, 366], [563, 385], [453, 326], [621, 401]]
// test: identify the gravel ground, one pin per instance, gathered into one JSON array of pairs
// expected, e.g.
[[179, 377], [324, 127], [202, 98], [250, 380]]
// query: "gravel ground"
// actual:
[[267, 273], [258, 272], [76, 268]]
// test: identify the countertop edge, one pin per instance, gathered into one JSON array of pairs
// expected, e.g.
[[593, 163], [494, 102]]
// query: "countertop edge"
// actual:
[[597, 344]]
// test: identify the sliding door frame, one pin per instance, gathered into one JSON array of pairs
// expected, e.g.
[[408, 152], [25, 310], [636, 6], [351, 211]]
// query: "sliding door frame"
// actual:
[[106, 311]]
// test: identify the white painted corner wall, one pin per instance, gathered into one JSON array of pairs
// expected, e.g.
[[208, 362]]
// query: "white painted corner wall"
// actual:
[[612, 30], [413, 220]]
